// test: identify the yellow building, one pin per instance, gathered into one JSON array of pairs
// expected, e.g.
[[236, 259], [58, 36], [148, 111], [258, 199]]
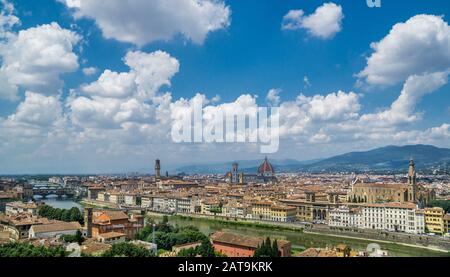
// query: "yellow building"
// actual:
[[283, 213], [434, 220], [117, 198], [262, 210]]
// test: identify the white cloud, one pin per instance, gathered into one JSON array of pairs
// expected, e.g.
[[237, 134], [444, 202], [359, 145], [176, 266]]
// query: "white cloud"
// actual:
[[7, 18], [152, 71], [89, 71], [299, 116], [37, 110], [401, 111], [113, 85], [35, 58], [116, 99], [418, 46], [273, 97], [306, 82], [144, 21], [324, 23]]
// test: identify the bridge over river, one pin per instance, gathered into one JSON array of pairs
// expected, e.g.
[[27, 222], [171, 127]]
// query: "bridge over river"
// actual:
[[45, 190]]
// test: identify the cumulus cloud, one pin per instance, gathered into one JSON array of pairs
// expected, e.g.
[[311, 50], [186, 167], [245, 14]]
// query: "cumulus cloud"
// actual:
[[144, 21], [120, 98], [324, 23], [37, 110], [402, 110], [273, 97], [89, 71], [36, 57], [418, 46], [306, 114], [7, 18]]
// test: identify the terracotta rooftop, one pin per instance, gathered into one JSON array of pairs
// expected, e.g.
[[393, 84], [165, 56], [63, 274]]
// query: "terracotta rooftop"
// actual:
[[56, 227], [111, 235]]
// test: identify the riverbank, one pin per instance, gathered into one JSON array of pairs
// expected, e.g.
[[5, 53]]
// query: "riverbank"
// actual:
[[97, 204], [301, 238]]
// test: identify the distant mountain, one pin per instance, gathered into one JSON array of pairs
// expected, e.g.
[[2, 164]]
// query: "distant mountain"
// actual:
[[247, 166], [390, 158]]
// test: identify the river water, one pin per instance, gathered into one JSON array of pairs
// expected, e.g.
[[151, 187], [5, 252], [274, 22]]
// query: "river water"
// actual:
[[60, 203], [301, 240]]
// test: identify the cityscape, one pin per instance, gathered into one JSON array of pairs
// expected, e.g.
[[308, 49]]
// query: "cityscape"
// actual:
[[224, 135], [160, 215]]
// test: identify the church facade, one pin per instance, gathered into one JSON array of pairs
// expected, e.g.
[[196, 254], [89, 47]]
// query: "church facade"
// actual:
[[411, 192]]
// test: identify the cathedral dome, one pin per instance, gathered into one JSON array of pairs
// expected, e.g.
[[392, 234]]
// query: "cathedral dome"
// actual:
[[266, 168]]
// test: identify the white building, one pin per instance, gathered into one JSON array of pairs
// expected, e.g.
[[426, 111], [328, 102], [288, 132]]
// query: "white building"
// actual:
[[146, 202], [393, 217], [54, 229], [130, 199], [236, 210], [164, 204], [184, 205], [345, 217], [15, 208]]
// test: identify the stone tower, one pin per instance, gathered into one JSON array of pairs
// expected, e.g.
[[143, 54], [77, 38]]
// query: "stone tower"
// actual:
[[88, 214], [158, 169], [412, 182], [235, 174]]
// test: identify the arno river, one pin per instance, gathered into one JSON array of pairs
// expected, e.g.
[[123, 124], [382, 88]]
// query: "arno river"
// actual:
[[299, 240], [64, 203]]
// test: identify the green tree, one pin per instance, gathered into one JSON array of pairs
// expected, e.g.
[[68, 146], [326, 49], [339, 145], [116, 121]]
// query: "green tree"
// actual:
[[127, 250], [275, 252], [267, 249], [188, 253], [165, 220], [28, 250], [444, 204], [206, 249]]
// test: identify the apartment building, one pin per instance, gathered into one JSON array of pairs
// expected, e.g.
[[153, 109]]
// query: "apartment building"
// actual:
[[434, 220], [345, 216], [393, 217]]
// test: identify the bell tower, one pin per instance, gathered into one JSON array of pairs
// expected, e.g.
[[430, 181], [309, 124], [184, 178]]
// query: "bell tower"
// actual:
[[412, 182], [158, 169]]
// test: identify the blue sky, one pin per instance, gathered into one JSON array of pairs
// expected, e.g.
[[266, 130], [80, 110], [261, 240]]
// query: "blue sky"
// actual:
[[251, 54]]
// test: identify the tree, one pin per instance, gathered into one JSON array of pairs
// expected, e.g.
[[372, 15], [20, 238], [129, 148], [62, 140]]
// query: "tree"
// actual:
[[166, 235], [444, 204], [188, 253], [74, 214], [28, 250], [275, 252], [78, 238], [267, 249], [128, 250], [206, 249]]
